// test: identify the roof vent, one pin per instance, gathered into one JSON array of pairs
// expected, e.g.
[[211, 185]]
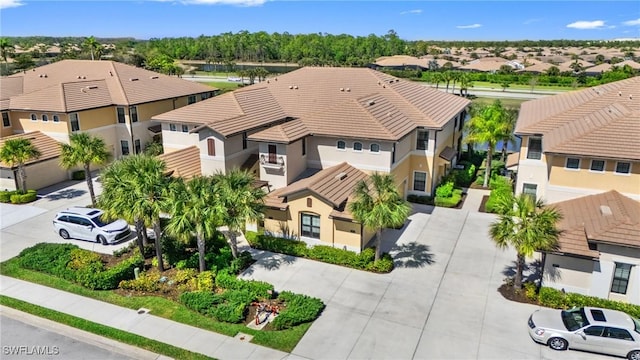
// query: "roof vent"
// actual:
[[79, 77], [84, 90], [371, 102], [630, 96], [133, 79], [296, 87], [154, 77], [341, 176], [341, 89], [92, 87], [45, 75], [605, 210], [347, 90], [84, 77], [290, 87], [619, 93]]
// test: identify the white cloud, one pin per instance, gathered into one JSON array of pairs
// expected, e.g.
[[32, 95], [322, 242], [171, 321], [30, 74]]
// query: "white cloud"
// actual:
[[586, 25], [417, 12], [5, 4], [632, 22], [473, 26]]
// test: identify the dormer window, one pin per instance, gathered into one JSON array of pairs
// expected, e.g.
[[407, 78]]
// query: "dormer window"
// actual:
[[357, 146], [534, 150], [341, 145]]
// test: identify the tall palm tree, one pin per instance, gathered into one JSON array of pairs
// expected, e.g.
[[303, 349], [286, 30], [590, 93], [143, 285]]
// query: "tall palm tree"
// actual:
[[508, 137], [488, 125], [6, 50], [455, 77], [84, 149], [192, 212], [526, 225], [377, 205], [437, 78], [17, 152], [465, 84], [92, 45], [140, 185], [237, 201]]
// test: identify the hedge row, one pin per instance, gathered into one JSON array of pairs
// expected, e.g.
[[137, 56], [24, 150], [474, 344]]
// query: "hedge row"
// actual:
[[557, 299], [259, 289], [299, 309], [362, 261], [501, 187], [17, 197]]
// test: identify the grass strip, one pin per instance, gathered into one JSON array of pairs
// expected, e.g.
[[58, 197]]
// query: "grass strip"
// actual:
[[102, 330], [283, 340]]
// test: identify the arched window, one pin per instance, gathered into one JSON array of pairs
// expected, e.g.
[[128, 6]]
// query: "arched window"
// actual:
[[341, 145], [357, 146], [45, 117], [374, 148], [34, 117], [56, 118]]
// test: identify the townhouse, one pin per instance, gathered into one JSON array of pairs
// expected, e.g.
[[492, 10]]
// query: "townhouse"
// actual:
[[581, 143], [323, 126]]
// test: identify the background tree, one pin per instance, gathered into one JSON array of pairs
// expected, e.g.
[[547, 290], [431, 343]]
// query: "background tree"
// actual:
[[6, 51], [84, 149], [237, 201], [24, 62], [193, 211], [526, 225], [377, 205], [17, 152], [92, 45], [533, 82]]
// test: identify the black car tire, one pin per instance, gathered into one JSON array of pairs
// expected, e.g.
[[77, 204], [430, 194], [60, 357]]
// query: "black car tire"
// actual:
[[557, 343], [634, 355], [64, 234], [102, 239]]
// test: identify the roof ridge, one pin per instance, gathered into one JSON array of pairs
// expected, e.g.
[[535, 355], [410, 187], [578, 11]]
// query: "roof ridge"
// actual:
[[119, 81]]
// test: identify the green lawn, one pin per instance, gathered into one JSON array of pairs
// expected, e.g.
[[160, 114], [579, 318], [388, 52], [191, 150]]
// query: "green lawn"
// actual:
[[102, 330], [486, 84], [506, 102], [284, 340], [224, 86]]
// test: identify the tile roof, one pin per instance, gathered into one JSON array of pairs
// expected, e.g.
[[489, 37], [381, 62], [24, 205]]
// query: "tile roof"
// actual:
[[49, 147], [329, 101], [71, 85], [334, 185], [184, 163], [609, 218], [602, 121]]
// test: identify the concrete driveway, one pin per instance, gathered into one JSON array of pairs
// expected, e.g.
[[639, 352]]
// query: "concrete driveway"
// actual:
[[441, 301]]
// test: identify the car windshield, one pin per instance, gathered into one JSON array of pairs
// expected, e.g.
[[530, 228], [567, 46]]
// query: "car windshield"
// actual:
[[637, 324], [100, 222], [574, 319]]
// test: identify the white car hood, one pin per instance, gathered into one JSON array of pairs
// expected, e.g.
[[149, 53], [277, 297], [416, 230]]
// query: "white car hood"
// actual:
[[548, 319], [116, 226]]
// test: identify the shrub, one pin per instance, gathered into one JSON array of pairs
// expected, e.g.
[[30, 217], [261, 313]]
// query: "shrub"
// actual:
[[384, 265], [145, 282], [298, 309], [232, 306], [48, 258], [418, 199], [333, 255], [111, 278], [29, 196], [78, 175], [444, 190], [451, 201], [82, 260], [557, 299], [552, 298], [199, 301], [259, 289], [5, 196], [531, 290], [205, 281]]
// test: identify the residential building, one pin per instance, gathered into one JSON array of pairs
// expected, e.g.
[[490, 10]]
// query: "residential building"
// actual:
[[581, 142], [599, 252], [108, 99], [318, 118]]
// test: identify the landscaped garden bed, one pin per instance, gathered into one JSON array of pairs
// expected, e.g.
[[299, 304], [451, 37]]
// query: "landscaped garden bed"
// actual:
[[214, 300]]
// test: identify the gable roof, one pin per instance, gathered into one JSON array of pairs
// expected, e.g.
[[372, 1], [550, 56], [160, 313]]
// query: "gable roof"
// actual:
[[71, 85], [330, 101], [333, 185], [607, 218], [49, 147], [184, 163], [602, 121]]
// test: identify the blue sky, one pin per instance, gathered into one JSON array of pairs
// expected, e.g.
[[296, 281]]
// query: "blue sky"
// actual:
[[412, 20]]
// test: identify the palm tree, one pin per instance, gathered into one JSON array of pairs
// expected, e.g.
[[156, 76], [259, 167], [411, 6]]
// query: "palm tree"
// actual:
[[6, 50], [488, 125], [15, 153], [455, 76], [192, 211], [511, 115], [465, 84], [377, 205], [84, 150], [92, 45], [528, 226], [237, 201], [136, 187], [437, 78]]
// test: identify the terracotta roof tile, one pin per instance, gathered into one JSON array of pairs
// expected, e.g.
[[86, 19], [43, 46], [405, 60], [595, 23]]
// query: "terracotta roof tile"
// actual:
[[49, 147], [184, 163]]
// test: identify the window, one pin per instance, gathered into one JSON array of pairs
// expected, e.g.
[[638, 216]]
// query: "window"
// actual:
[[74, 121], [304, 146], [422, 140], [623, 168], [133, 113], [273, 150], [357, 146], [572, 163], [120, 112], [393, 153], [310, 225], [621, 278], [594, 330], [597, 165], [124, 147], [5, 119], [56, 118], [211, 147], [205, 96], [45, 118], [309, 202], [172, 127], [463, 116], [419, 181], [530, 189], [374, 148], [136, 146], [341, 145], [191, 100], [534, 150], [616, 333], [185, 128], [244, 140], [34, 117]]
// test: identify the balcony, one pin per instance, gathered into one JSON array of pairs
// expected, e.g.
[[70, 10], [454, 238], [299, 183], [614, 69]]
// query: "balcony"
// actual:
[[272, 161]]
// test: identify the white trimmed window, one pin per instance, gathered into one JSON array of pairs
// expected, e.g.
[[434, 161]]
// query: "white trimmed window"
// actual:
[[137, 146], [422, 140], [45, 117], [621, 276], [56, 118], [6, 122], [341, 145], [74, 121], [120, 114], [133, 113], [124, 147], [419, 181], [572, 164], [623, 168], [534, 150], [357, 146], [530, 189], [172, 127], [597, 165], [34, 117], [310, 225], [374, 148], [185, 128]]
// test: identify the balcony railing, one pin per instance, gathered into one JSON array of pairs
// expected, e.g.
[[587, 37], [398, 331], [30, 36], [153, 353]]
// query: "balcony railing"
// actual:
[[273, 162]]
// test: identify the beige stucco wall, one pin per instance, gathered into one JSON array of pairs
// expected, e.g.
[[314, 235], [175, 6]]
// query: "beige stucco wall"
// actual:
[[323, 153], [571, 274], [609, 255], [21, 122], [532, 172], [39, 175], [276, 176], [295, 162], [7, 130]]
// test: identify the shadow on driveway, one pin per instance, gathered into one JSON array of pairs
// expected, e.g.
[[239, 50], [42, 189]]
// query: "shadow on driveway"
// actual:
[[411, 255], [65, 194], [270, 261]]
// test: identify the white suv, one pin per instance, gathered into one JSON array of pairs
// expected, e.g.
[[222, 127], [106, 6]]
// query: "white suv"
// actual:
[[87, 224]]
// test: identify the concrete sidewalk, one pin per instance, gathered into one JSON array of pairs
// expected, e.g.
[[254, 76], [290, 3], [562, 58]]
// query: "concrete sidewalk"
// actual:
[[169, 332]]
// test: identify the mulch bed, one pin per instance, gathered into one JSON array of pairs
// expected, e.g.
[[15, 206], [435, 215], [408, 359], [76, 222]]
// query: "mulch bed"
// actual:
[[459, 206], [513, 294], [483, 203]]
